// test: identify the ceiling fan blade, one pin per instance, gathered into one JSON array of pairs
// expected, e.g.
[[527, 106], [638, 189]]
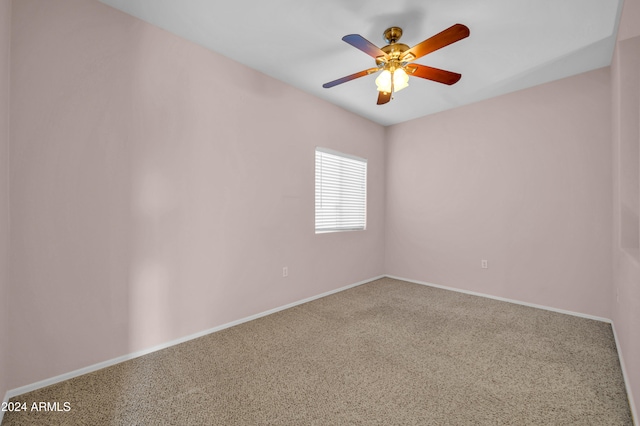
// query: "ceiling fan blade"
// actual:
[[349, 77], [433, 74], [359, 42], [383, 97], [452, 34]]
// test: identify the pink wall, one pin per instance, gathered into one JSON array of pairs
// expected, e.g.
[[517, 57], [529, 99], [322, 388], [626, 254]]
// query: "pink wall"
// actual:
[[629, 20], [626, 190], [153, 197], [5, 37], [522, 180]]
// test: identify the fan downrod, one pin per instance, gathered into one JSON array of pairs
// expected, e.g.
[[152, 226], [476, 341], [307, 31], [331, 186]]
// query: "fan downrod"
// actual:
[[392, 35]]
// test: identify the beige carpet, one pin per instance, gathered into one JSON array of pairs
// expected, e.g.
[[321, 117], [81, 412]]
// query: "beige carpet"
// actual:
[[384, 353]]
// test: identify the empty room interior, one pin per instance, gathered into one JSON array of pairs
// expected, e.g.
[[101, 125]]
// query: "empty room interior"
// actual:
[[163, 249]]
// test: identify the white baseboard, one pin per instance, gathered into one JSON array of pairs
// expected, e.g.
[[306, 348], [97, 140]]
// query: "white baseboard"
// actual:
[[632, 405], [503, 299], [66, 376]]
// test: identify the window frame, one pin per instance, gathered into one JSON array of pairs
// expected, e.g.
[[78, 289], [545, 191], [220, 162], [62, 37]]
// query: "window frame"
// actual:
[[346, 191]]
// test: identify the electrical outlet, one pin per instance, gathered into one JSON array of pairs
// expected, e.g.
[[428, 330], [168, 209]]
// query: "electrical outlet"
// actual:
[[285, 271], [484, 264]]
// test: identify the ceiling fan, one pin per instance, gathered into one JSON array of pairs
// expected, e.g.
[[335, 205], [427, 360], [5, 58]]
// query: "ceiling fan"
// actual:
[[394, 60]]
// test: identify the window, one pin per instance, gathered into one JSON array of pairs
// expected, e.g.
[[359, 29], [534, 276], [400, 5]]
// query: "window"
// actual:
[[341, 191]]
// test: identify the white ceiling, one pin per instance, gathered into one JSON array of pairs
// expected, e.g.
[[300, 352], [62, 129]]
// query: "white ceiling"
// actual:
[[513, 44]]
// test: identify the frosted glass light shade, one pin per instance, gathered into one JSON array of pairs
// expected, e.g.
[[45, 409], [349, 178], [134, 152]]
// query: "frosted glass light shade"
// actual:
[[384, 81], [400, 80]]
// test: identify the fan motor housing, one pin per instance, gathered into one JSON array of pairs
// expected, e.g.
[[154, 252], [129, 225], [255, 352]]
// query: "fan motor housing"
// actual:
[[393, 52]]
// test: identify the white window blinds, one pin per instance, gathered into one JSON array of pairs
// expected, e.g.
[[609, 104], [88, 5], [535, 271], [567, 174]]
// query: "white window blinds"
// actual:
[[341, 191]]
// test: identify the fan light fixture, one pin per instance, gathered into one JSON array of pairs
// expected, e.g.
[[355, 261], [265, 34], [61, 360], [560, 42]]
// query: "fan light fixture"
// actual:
[[399, 77], [395, 60]]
